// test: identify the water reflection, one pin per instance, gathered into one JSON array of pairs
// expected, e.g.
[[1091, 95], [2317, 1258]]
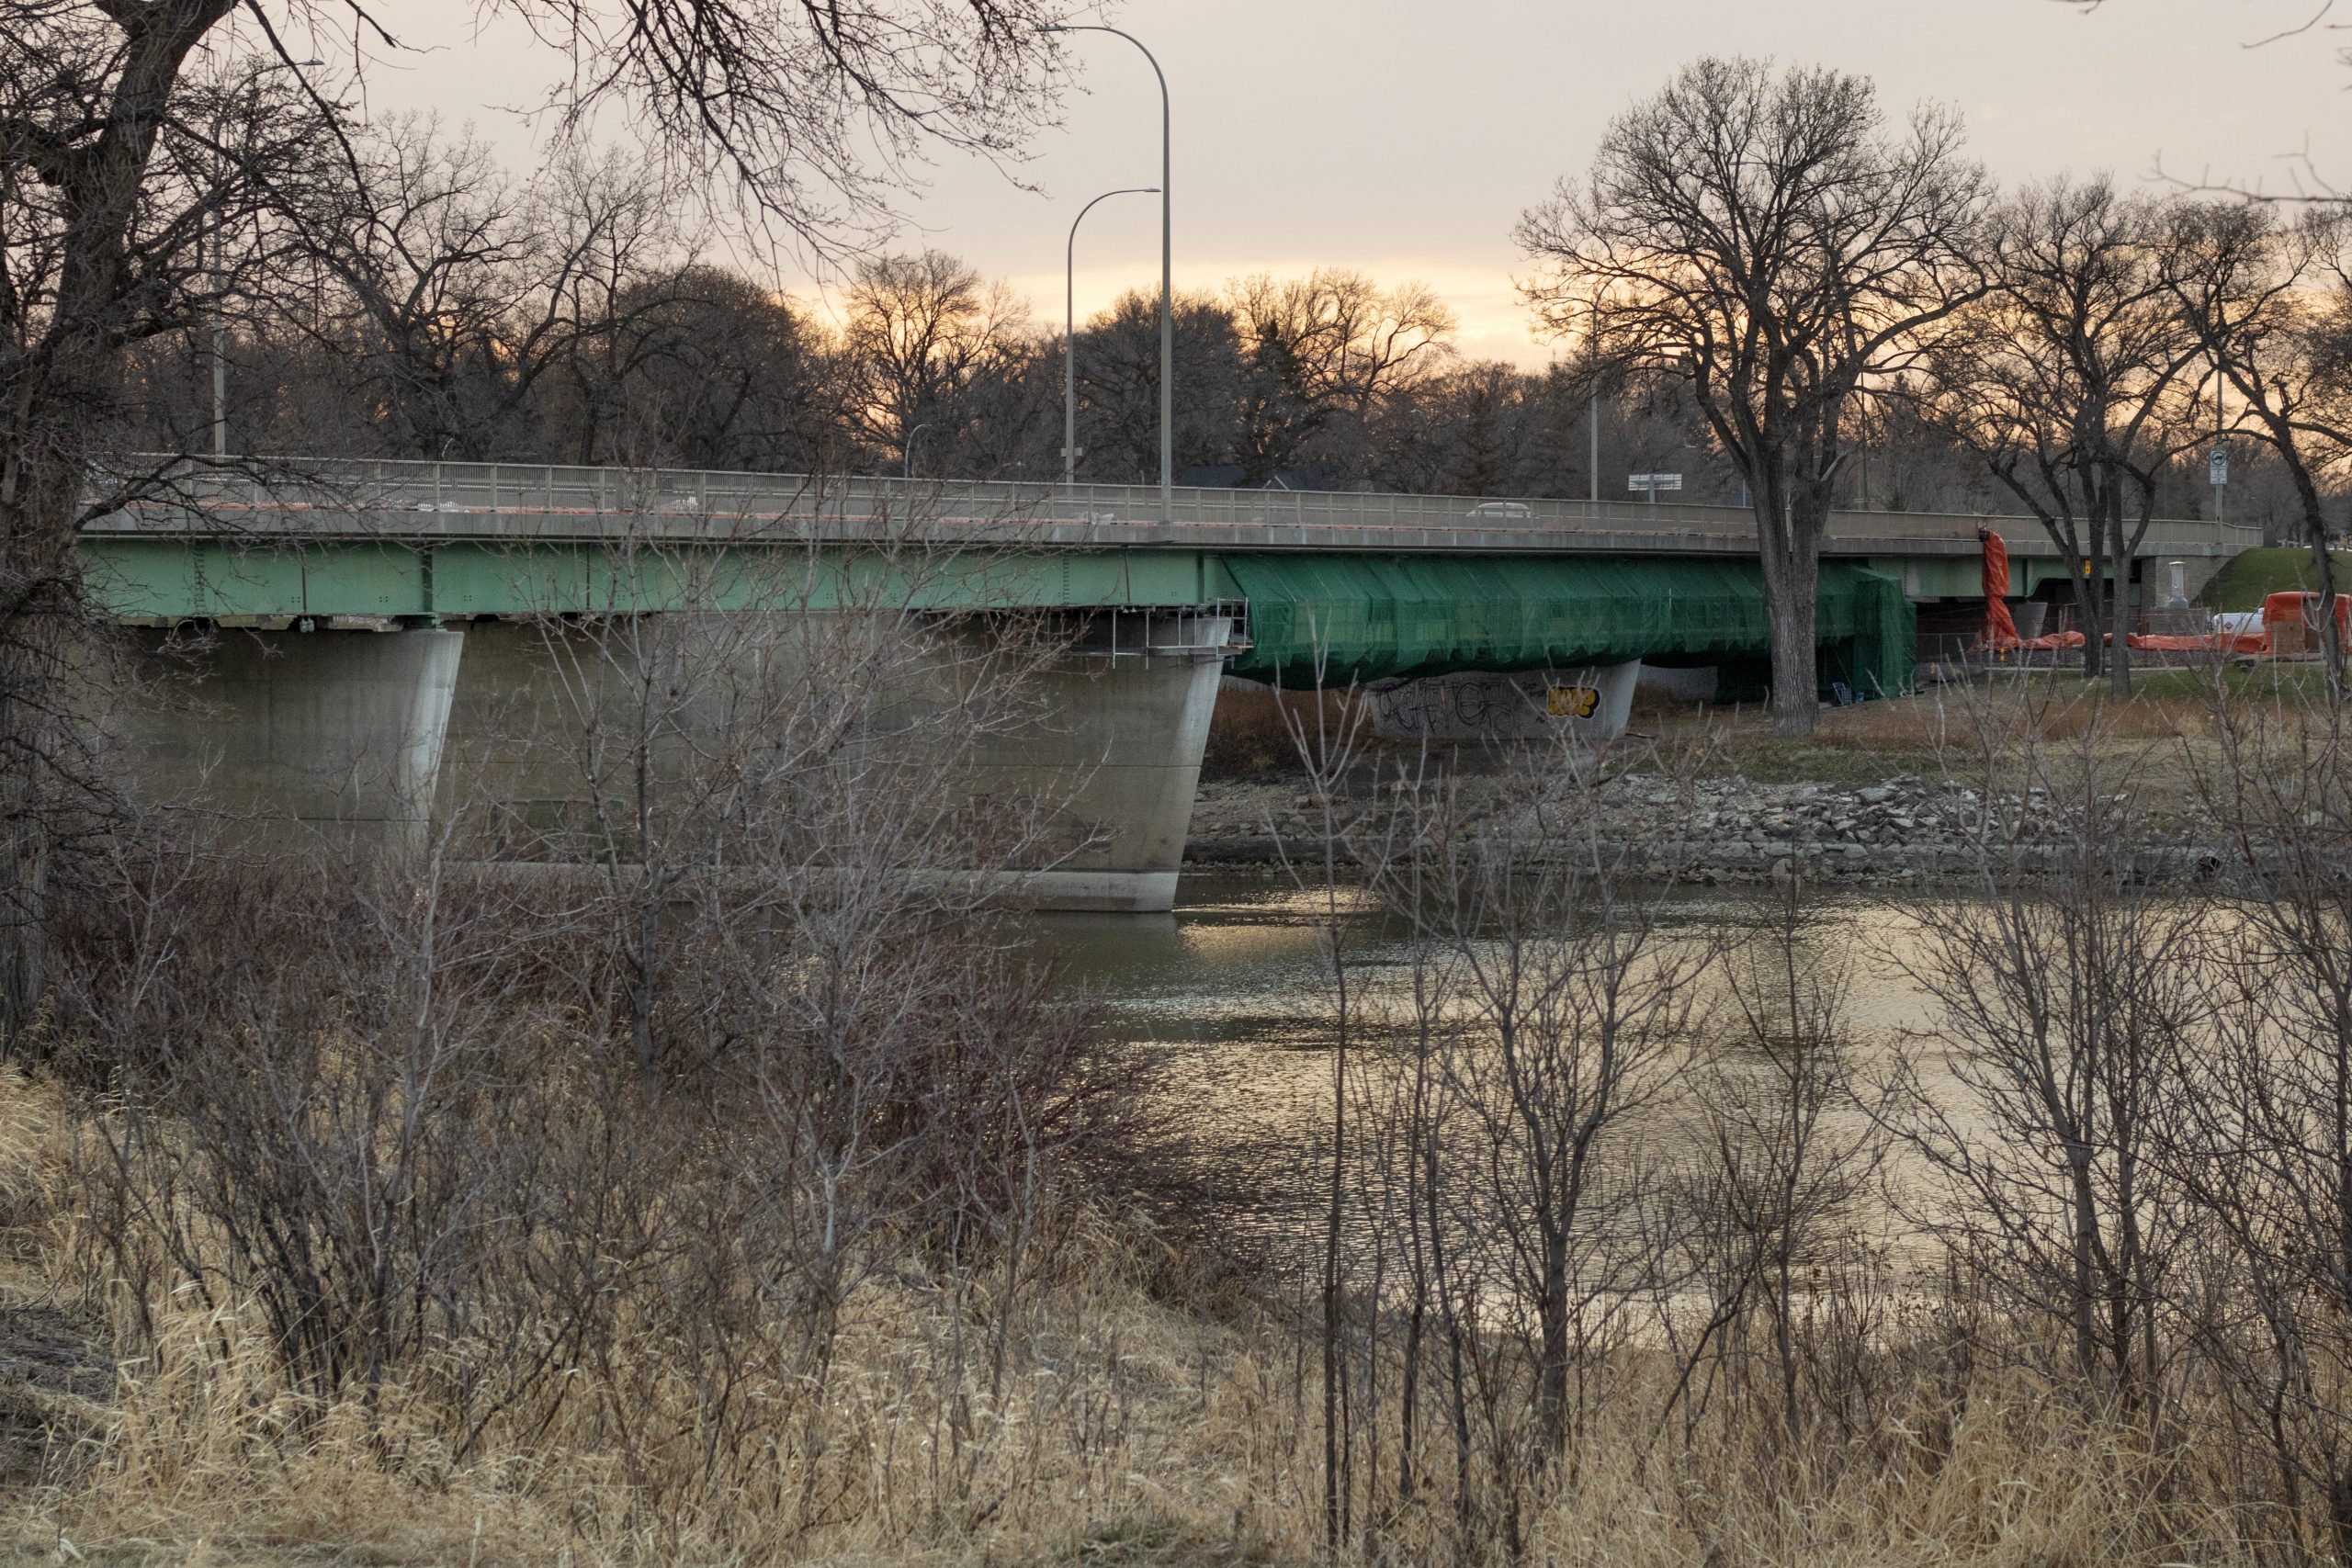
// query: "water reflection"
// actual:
[[1242, 960], [1236, 987]]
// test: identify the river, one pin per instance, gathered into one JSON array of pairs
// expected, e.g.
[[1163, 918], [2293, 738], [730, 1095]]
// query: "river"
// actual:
[[1235, 989]]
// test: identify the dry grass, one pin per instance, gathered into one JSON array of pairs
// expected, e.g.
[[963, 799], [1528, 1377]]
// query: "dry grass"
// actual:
[[1134, 1426], [1111, 1449], [34, 1128], [1934, 731]]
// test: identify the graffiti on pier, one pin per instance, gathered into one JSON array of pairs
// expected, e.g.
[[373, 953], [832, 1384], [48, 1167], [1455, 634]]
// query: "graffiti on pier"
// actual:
[[1477, 706]]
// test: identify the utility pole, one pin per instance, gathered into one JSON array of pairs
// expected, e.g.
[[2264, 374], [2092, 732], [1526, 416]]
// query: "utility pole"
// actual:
[[2219, 468], [220, 350]]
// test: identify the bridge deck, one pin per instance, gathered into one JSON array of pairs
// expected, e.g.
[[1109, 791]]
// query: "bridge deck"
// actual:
[[425, 503]]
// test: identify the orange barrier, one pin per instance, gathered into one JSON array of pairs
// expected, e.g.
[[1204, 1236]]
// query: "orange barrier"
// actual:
[[2000, 630], [2287, 622], [2210, 642]]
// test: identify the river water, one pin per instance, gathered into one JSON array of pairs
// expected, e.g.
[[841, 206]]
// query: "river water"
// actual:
[[1235, 989]]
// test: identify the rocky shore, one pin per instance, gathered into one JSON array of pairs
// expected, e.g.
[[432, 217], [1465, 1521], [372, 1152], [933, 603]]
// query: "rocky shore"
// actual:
[[1903, 829]]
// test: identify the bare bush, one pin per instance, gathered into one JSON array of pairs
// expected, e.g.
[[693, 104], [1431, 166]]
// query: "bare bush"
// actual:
[[2263, 1145], [1789, 1169], [611, 1143], [2066, 971]]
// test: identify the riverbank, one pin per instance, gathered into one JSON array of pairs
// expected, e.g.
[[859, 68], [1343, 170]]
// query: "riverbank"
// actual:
[[334, 1227], [1891, 794], [1896, 831]]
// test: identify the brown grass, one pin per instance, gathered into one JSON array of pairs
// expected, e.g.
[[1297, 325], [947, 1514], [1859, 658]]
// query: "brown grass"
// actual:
[[1135, 1427]]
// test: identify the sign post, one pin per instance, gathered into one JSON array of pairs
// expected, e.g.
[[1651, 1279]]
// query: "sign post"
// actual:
[[1653, 483], [2217, 474]]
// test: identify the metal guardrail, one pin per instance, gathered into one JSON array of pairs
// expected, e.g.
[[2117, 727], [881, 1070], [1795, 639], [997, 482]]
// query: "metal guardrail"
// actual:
[[394, 498]]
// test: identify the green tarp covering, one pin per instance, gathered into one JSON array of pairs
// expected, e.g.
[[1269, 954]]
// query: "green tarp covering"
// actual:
[[1381, 615]]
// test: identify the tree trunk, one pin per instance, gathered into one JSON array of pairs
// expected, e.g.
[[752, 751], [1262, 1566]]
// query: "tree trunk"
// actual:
[[39, 743], [64, 374], [1551, 1377], [2330, 638], [1790, 553], [2119, 610], [2090, 612]]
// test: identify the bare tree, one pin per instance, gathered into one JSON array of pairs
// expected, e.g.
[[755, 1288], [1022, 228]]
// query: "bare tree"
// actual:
[[2264, 1135], [1118, 385], [1760, 236], [1566, 1008], [2067, 980], [789, 104], [1323, 351], [2270, 305], [142, 198], [435, 280], [921, 330], [2062, 380], [698, 367], [1789, 1161]]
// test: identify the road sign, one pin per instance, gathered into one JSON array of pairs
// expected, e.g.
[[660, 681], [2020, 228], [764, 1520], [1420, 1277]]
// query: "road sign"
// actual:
[[1653, 483], [2217, 467]]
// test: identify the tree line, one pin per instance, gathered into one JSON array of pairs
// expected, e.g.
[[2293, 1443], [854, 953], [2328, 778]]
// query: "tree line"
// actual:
[[1761, 282], [452, 310], [475, 315]]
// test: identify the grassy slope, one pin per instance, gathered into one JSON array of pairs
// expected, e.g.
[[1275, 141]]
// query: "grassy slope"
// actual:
[[2242, 584]]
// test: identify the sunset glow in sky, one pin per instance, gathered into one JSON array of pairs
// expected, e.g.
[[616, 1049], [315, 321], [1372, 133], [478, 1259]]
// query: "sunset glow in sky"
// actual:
[[1403, 140]]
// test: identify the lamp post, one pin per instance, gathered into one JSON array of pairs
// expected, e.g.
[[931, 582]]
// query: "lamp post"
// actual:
[[907, 450], [1069, 334], [1592, 409], [1167, 298]]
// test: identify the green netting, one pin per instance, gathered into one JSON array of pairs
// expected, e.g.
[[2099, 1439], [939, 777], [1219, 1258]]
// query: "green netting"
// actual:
[[1371, 616]]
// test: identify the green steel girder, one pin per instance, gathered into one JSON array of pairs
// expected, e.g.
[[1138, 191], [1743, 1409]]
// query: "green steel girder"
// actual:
[[139, 579], [223, 579]]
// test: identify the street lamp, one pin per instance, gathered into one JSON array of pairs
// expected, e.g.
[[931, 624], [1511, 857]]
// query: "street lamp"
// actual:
[[220, 291], [1167, 297], [1069, 334], [1592, 409], [907, 450]]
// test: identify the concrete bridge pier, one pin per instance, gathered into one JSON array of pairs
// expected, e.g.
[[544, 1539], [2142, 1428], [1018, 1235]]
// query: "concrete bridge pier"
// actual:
[[310, 739], [1124, 722], [1097, 750], [1590, 705]]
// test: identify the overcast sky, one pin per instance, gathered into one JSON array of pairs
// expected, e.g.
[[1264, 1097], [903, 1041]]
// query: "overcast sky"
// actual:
[[1403, 137]]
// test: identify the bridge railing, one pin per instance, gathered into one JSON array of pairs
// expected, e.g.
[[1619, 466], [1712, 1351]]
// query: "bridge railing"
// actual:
[[434, 497]]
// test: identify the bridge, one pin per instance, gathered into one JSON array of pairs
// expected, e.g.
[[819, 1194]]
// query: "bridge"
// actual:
[[469, 564]]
